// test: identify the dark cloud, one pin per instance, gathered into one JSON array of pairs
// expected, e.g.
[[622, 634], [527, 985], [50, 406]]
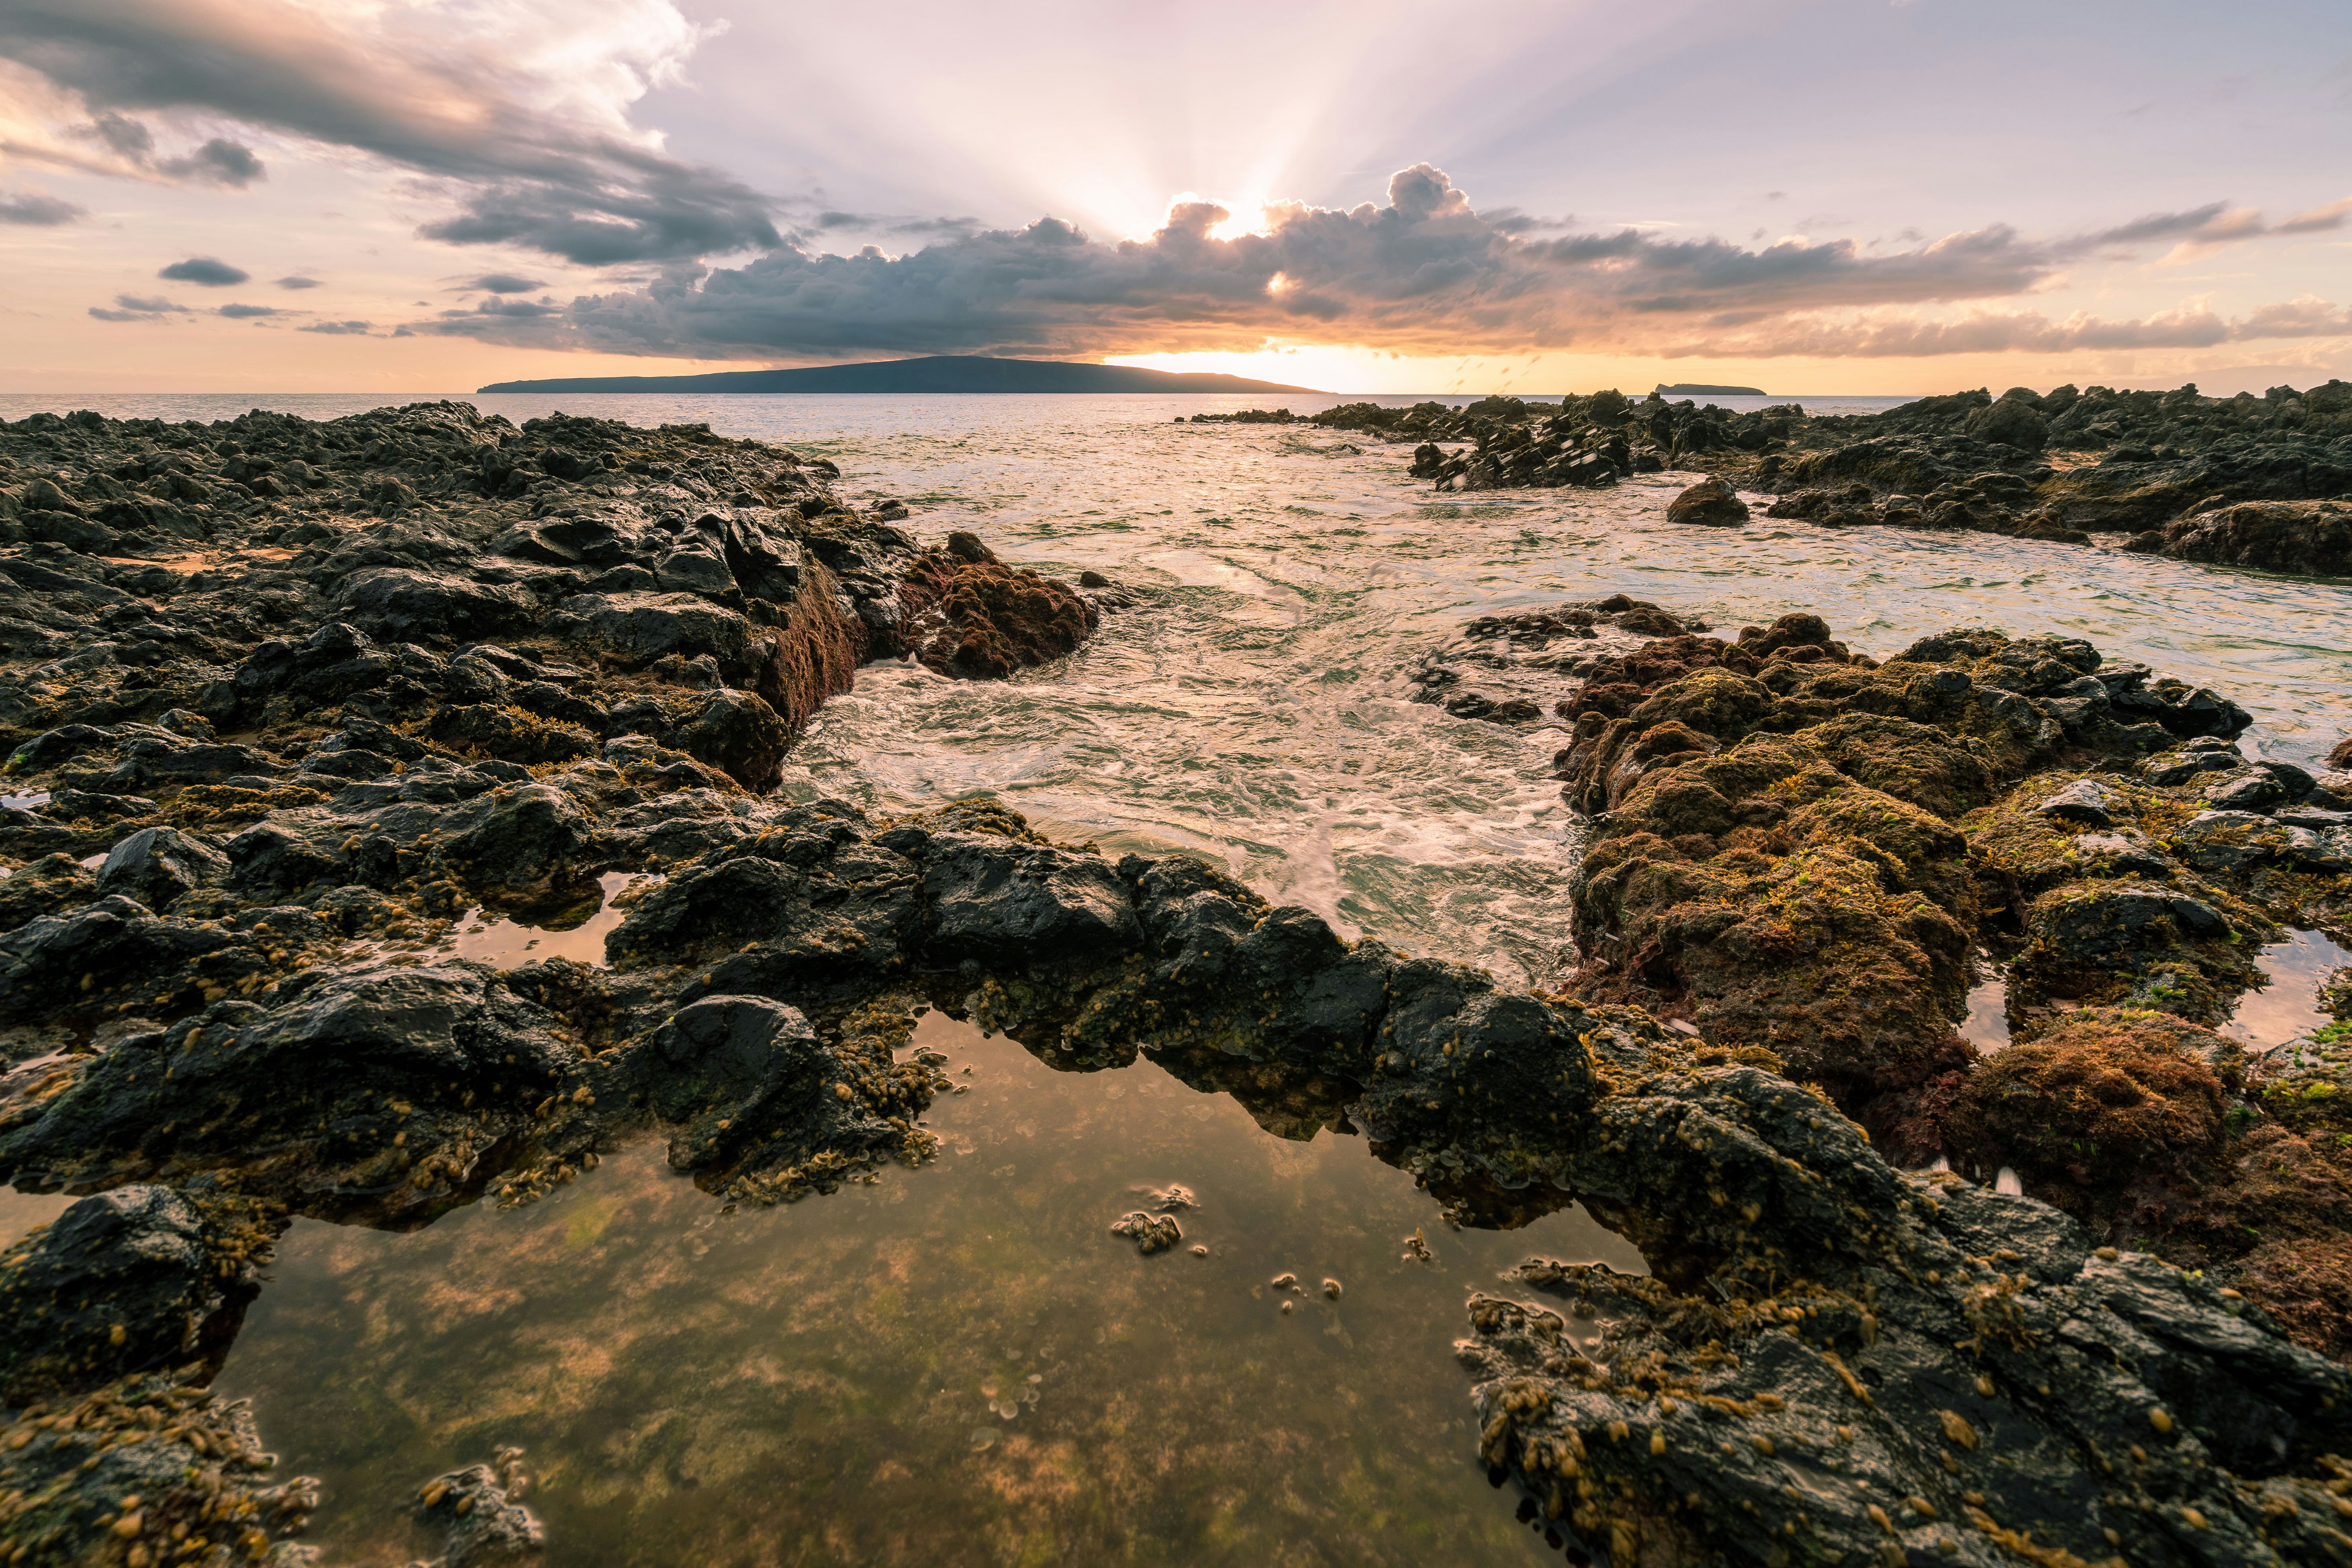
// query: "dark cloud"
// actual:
[[248, 312], [337, 329], [298, 281], [218, 162], [126, 137], [454, 107], [37, 211], [522, 310], [133, 308], [884, 223], [505, 283], [206, 271], [1426, 273]]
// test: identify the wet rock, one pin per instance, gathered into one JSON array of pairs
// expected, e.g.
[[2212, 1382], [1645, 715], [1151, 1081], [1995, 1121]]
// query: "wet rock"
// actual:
[[2254, 790], [977, 618], [184, 1465], [95, 952], [515, 836], [2184, 763], [993, 898], [156, 865], [2310, 537], [2013, 422], [646, 626], [480, 1509], [736, 1069], [2101, 1101], [737, 732], [376, 1091], [512, 734], [48, 885], [1710, 503], [1150, 1233], [2084, 801], [1846, 1415], [133, 1281], [404, 604]]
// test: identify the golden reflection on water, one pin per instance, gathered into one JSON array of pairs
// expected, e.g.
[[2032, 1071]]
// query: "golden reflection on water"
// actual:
[[827, 1381]]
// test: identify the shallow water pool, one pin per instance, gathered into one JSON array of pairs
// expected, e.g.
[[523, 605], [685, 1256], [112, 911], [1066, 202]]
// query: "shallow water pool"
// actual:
[[825, 1381]]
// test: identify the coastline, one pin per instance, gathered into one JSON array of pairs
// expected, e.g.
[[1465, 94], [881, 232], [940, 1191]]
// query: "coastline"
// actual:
[[276, 831]]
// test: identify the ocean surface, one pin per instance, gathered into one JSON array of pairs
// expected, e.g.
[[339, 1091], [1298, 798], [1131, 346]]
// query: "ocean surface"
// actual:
[[829, 1383]]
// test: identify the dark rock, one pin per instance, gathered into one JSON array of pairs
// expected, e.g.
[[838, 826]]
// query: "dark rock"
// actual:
[[1710, 503], [737, 732], [2013, 422], [2081, 801], [373, 1091], [2313, 538], [136, 1279], [410, 604], [998, 899], [156, 865]]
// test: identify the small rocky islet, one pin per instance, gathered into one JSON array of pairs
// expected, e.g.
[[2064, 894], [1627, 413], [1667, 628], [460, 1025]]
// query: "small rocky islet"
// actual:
[[283, 700]]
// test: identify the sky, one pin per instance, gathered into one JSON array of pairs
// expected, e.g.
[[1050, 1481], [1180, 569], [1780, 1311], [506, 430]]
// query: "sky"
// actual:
[[1807, 196]]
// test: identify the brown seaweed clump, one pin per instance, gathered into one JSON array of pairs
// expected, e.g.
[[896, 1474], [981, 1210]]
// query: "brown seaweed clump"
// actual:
[[1782, 853], [968, 613], [2099, 1103]]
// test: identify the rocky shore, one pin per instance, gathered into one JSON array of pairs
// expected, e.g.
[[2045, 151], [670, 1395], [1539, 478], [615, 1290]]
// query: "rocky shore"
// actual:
[[264, 750], [2252, 482]]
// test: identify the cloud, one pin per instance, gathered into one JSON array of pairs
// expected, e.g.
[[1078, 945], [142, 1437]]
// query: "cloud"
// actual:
[[35, 210], [2319, 219], [505, 283], [133, 308], [2201, 229], [1899, 335], [206, 271], [248, 312], [515, 113], [1426, 273], [218, 162], [337, 329], [298, 281], [523, 310]]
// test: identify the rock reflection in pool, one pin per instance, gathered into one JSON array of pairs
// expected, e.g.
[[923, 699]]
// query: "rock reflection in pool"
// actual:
[[2288, 1008], [509, 944], [810, 1384]]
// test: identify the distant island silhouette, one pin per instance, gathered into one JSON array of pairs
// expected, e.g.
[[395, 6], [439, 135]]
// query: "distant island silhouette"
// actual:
[[938, 372], [1689, 389]]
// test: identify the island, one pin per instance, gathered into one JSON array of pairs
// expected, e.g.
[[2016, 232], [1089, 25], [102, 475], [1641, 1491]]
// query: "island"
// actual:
[[936, 372], [1691, 389]]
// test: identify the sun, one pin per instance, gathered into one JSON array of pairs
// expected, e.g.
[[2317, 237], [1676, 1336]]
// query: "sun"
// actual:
[[1249, 217]]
